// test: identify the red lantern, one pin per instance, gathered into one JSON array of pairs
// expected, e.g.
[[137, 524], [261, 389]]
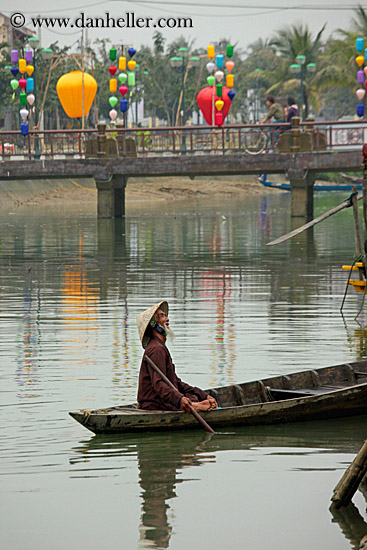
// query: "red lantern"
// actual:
[[112, 70], [206, 103], [22, 83], [123, 89], [218, 119]]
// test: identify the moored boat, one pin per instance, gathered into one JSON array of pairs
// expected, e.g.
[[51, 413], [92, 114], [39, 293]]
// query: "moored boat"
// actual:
[[263, 179], [329, 392]]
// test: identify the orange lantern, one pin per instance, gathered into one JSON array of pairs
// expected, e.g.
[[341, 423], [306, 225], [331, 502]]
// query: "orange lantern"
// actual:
[[113, 85], [230, 80], [70, 92]]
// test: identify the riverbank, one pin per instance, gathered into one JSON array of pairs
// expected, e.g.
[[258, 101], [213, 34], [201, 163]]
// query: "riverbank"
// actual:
[[80, 194]]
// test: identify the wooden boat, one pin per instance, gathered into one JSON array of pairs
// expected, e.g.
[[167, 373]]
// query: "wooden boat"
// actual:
[[329, 392], [263, 179]]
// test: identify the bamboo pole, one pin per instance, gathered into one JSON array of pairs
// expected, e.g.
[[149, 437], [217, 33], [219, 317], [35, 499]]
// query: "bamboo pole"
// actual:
[[357, 232], [352, 477]]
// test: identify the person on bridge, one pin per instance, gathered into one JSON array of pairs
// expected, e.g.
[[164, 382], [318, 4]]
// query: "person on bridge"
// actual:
[[275, 111], [153, 392], [292, 109]]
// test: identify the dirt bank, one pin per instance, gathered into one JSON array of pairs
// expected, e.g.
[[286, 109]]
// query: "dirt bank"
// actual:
[[80, 195]]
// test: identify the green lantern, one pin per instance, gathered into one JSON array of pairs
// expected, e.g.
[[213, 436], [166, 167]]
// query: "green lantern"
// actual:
[[131, 79], [210, 80], [112, 100], [113, 54], [229, 50], [14, 83], [219, 90], [23, 99]]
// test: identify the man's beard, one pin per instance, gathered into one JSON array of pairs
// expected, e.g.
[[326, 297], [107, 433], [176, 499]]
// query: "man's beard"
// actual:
[[169, 333]]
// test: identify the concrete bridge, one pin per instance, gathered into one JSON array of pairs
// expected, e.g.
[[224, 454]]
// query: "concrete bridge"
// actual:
[[111, 157]]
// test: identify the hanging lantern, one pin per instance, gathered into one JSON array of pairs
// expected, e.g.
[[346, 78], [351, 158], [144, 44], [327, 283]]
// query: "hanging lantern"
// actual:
[[219, 88], [23, 99], [360, 77], [229, 50], [229, 66], [112, 70], [359, 60], [360, 109], [70, 91], [31, 99], [123, 105], [206, 105], [131, 79], [28, 54], [24, 128], [30, 85], [219, 75], [24, 114], [219, 104], [210, 67], [22, 83], [365, 71], [230, 80], [219, 60], [113, 54], [131, 52], [14, 83], [231, 94], [14, 56], [14, 71], [113, 114], [218, 119], [122, 63], [122, 78], [359, 44], [123, 89], [131, 64], [112, 100], [211, 52], [365, 55], [360, 94], [113, 85], [29, 70], [210, 80], [22, 65]]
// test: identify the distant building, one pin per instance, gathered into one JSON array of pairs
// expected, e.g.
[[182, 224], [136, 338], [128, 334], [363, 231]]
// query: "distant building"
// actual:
[[11, 35]]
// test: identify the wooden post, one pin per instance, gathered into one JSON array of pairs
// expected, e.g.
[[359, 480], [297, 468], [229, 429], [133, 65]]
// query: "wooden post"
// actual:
[[348, 484], [101, 140]]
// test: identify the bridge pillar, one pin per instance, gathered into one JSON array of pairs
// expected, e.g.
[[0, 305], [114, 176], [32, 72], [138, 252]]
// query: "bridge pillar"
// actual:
[[301, 193], [111, 197]]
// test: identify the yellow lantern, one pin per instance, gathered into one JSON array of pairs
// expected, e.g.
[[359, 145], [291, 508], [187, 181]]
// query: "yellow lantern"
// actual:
[[211, 51], [22, 65], [122, 63], [219, 104], [359, 60], [230, 80], [70, 91], [113, 85], [29, 70], [131, 64]]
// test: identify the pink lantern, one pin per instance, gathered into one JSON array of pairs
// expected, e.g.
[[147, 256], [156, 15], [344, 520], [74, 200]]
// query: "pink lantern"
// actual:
[[22, 83], [218, 119], [113, 114], [31, 99], [123, 89], [360, 93]]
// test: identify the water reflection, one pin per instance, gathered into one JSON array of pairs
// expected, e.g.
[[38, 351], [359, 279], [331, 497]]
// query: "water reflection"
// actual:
[[163, 457]]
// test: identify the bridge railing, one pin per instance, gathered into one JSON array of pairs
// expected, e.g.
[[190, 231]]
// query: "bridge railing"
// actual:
[[175, 141]]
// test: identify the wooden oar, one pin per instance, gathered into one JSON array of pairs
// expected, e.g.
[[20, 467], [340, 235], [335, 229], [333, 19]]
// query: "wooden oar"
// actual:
[[299, 230], [193, 411]]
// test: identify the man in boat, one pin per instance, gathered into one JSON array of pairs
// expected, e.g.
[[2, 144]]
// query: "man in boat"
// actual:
[[153, 392]]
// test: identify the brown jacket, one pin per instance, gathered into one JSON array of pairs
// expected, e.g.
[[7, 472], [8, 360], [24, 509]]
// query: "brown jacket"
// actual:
[[153, 392]]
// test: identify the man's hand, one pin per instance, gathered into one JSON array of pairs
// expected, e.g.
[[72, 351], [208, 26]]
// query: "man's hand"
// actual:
[[185, 405]]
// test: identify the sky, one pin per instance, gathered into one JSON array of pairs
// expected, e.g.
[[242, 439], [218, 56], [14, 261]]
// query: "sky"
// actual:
[[241, 21]]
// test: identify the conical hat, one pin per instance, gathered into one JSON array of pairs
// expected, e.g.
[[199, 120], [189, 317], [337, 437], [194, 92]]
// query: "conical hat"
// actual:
[[143, 320]]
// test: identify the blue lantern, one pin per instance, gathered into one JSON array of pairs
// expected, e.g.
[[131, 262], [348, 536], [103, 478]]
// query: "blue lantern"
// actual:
[[24, 128], [360, 109], [231, 94], [365, 54], [123, 105], [14, 71], [359, 44], [131, 52], [219, 60], [30, 85]]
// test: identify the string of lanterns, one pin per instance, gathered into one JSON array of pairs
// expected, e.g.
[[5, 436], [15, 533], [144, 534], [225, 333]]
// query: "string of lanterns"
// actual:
[[23, 67], [361, 75], [124, 80], [215, 100]]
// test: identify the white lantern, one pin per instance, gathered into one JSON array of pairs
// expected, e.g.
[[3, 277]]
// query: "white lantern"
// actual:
[[24, 114], [113, 114], [31, 99], [210, 67], [360, 93], [219, 76]]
